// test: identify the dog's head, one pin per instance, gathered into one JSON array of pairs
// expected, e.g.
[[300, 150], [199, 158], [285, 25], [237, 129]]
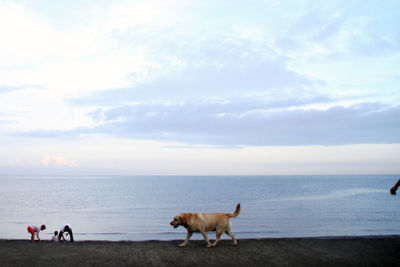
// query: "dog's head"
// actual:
[[178, 220]]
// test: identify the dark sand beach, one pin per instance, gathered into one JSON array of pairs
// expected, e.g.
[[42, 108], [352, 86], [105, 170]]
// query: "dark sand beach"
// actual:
[[348, 251]]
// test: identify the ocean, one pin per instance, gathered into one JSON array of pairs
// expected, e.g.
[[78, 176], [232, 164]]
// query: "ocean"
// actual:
[[141, 208]]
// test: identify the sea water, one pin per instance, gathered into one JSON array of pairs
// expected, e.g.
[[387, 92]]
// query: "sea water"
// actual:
[[141, 208]]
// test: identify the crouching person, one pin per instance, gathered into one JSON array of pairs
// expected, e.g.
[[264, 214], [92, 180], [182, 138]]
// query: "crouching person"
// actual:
[[66, 228], [34, 230], [55, 237]]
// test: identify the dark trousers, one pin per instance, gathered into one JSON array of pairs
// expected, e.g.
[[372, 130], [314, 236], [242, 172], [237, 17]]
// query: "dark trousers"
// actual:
[[71, 236]]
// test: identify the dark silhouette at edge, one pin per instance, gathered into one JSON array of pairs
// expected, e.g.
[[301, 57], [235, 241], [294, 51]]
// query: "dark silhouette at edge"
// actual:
[[394, 188]]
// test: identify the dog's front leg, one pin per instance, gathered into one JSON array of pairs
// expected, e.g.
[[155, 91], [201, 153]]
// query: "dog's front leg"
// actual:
[[204, 233], [189, 234]]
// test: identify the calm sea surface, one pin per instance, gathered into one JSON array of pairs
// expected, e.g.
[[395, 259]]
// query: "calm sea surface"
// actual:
[[140, 208]]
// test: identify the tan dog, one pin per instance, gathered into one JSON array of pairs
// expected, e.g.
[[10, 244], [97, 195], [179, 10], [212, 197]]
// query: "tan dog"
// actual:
[[204, 222]]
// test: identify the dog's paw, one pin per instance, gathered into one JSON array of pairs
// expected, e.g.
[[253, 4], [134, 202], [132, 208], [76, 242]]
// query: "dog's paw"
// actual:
[[234, 244], [209, 245], [182, 245]]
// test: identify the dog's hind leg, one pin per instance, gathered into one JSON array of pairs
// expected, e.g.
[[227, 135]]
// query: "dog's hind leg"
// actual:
[[218, 234], [228, 232], [206, 238]]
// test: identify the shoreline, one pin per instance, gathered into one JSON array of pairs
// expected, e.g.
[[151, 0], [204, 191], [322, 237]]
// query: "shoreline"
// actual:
[[299, 251], [212, 238]]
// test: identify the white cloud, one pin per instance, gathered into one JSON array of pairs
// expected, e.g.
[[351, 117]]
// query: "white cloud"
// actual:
[[32, 108], [58, 161]]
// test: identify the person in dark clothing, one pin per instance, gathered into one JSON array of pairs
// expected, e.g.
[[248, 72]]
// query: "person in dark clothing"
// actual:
[[66, 228], [394, 188]]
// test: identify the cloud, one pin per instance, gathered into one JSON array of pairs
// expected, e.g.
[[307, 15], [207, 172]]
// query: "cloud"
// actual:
[[224, 124], [227, 91], [253, 123], [277, 87], [210, 68], [58, 161]]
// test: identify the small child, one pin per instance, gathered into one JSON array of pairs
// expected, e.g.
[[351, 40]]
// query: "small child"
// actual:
[[55, 237], [33, 229]]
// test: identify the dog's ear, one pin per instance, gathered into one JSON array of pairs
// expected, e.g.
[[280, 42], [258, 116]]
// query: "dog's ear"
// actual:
[[182, 219]]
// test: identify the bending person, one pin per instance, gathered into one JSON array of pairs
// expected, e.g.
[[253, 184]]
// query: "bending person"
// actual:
[[34, 229], [66, 228]]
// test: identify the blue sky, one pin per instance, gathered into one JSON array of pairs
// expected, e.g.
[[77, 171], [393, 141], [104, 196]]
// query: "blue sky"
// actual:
[[200, 87]]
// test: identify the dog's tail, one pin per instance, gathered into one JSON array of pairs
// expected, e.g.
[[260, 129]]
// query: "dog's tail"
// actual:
[[236, 212]]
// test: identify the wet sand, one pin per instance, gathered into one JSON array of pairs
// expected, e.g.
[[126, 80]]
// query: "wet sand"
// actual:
[[348, 251]]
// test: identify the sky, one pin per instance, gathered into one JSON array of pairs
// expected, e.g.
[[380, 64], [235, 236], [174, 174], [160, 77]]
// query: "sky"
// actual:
[[199, 87]]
